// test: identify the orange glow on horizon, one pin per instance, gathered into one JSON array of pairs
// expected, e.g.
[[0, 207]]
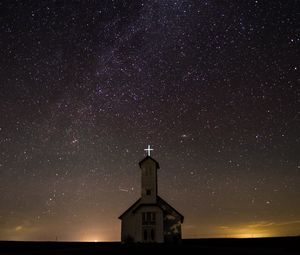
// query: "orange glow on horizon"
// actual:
[[252, 235], [252, 230], [94, 239]]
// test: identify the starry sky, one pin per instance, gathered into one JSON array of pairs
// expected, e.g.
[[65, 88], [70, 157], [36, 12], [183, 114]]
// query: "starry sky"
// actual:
[[212, 86]]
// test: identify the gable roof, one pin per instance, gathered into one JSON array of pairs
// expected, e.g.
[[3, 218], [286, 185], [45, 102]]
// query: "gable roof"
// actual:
[[162, 204], [131, 207], [148, 157], [161, 201]]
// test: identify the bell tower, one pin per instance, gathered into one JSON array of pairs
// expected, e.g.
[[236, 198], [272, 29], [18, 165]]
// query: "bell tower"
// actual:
[[149, 168]]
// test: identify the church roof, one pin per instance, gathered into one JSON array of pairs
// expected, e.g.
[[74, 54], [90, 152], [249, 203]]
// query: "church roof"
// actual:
[[148, 157], [130, 208], [162, 204], [161, 201]]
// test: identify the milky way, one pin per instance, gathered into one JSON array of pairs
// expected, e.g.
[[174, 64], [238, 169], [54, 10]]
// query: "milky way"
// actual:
[[85, 86]]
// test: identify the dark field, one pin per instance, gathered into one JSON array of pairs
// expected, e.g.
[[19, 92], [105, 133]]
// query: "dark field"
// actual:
[[279, 245]]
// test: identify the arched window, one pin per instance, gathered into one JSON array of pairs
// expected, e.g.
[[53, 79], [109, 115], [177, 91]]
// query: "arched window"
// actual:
[[145, 234]]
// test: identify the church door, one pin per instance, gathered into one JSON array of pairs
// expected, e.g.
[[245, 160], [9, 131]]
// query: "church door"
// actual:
[[148, 234]]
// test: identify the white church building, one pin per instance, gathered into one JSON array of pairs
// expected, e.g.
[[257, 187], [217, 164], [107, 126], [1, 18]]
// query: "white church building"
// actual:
[[150, 219]]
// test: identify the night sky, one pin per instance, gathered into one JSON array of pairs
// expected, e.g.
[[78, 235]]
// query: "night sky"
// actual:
[[212, 86]]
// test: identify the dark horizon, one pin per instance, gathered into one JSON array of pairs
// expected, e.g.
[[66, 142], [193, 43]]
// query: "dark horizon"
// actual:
[[206, 246], [183, 239]]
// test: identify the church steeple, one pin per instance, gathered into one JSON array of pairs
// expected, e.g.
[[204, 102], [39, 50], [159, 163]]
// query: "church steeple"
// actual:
[[150, 219], [149, 168]]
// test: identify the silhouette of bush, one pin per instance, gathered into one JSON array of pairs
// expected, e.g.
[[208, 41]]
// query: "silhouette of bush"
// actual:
[[129, 239]]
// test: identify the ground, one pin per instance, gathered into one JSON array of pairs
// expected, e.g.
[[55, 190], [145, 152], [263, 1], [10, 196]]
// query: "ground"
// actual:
[[274, 246]]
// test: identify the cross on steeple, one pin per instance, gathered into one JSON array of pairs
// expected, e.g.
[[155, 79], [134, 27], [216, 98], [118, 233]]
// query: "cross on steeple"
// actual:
[[149, 149]]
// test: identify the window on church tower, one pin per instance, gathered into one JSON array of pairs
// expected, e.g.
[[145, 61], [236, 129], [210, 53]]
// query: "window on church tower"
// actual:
[[148, 192]]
